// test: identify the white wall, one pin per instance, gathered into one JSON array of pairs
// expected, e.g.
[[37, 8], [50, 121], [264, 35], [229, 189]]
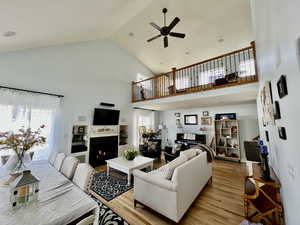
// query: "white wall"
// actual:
[[246, 114], [86, 73], [276, 28]]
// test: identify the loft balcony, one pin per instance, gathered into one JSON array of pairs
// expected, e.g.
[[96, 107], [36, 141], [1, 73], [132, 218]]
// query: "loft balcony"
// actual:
[[228, 70]]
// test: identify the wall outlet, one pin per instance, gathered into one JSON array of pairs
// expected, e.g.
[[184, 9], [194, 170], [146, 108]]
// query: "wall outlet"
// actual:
[[291, 171]]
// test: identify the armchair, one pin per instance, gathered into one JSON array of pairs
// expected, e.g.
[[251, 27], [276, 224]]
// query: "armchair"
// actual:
[[152, 149]]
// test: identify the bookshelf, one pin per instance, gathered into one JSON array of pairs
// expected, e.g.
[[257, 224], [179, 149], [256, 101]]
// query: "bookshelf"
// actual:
[[227, 140]]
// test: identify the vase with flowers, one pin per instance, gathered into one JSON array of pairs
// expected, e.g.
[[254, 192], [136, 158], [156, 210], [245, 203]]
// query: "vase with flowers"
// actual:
[[21, 142], [130, 154]]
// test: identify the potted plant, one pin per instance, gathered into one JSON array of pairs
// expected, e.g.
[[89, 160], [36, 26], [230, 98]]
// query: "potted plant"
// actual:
[[21, 142], [130, 154]]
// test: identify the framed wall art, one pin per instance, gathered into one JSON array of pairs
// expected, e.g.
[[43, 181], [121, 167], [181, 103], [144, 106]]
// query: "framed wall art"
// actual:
[[282, 133], [205, 113], [190, 119], [206, 121], [277, 114], [267, 106], [282, 86]]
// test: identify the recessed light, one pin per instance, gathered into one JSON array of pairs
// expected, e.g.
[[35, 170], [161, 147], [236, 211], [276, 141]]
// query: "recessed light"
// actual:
[[131, 34], [9, 33]]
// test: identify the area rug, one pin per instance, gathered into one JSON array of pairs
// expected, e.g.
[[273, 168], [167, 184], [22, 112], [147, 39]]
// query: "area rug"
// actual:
[[109, 217], [110, 187]]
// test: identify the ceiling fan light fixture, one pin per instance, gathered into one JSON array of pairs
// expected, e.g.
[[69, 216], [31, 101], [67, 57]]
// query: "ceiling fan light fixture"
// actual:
[[165, 31]]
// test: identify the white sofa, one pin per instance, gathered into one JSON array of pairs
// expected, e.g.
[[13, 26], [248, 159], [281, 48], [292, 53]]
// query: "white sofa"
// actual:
[[172, 198]]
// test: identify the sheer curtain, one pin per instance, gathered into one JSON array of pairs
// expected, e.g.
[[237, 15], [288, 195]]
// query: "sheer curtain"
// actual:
[[23, 109], [142, 118]]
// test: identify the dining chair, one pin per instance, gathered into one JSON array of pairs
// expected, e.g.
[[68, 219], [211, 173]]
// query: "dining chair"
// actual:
[[59, 161], [83, 176], [87, 221], [69, 166], [52, 158]]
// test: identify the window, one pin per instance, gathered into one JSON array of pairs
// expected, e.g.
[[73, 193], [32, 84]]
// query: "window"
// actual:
[[22, 109]]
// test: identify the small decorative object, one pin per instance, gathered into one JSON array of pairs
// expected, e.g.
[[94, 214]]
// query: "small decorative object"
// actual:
[[142, 92], [277, 115], [177, 114], [21, 142], [267, 136], [130, 154], [265, 166], [225, 116], [190, 119], [204, 129], [282, 86], [24, 190], [282, 133], [205, 113], [178, 123], [206, 121]]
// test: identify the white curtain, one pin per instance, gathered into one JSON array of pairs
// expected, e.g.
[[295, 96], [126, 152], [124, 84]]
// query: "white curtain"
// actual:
[[23, 109], [142, 118]]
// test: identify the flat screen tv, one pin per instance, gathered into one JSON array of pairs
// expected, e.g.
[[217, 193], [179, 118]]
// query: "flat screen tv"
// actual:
[[106, 117]]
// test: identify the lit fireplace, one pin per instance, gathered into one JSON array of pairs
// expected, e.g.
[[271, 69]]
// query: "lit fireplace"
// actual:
[[103, 148]]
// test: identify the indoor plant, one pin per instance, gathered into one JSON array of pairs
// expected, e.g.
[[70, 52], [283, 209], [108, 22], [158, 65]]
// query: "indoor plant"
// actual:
[[130, 154], [21, 142]]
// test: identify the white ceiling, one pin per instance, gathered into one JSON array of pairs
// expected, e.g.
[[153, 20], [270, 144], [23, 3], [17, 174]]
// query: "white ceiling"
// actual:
[[40, 23], [203, 21]]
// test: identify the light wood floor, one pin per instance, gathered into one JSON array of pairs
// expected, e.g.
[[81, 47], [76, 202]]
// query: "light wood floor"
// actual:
[[220, 203]]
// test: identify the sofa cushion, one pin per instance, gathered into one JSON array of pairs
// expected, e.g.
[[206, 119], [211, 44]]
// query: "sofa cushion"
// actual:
[[171, 166], [161, 172], [166, 171], [191, 153]]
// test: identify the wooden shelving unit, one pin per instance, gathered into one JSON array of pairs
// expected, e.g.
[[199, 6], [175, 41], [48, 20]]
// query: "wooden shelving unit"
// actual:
[[123, 135], [227, 140]]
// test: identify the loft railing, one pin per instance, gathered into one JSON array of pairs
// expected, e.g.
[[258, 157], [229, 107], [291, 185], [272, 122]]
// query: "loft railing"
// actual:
[[234, 68]]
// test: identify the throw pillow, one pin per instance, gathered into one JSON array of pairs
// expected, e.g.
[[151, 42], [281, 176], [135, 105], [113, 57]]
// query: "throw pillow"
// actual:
[[152, 145], [171, 166], [191, 153], [161, 172], [177, 147]]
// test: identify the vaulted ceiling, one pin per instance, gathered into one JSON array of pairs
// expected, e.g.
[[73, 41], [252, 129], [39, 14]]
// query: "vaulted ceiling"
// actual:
[[40, 23]]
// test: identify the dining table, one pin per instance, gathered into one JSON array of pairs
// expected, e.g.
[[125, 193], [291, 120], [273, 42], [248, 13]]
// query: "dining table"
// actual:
[[60, 201]]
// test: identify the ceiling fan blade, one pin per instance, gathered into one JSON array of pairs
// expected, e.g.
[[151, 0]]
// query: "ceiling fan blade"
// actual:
[[173, 23], [165, 41], [151, 39], [178, 35], [155, 26]]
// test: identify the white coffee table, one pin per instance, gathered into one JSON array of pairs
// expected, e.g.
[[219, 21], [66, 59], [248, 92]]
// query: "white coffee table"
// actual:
[[126, 166]]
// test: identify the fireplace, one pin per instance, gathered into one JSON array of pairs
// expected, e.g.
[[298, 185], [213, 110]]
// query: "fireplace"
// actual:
[[101, 149]]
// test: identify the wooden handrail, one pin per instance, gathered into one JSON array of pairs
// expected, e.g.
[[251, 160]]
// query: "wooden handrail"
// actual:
[[201, 77]]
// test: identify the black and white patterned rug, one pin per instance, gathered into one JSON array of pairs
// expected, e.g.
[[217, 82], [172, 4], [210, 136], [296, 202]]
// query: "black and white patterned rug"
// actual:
[[109, 217], [110, 187]]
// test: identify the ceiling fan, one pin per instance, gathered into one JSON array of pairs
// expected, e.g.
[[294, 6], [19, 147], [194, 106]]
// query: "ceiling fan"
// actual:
[[166, 30]]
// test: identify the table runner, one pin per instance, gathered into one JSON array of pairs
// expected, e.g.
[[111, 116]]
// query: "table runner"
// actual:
[[60, 201]]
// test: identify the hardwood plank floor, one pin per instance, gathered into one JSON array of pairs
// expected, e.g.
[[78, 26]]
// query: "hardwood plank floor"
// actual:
[[220, 203]]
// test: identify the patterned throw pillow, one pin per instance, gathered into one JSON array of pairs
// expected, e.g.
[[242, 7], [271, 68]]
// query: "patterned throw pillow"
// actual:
[[191, 153], [166, 171], [152, 145]]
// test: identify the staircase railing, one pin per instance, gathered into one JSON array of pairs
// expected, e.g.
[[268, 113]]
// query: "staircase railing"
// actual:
[[231, 69]]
